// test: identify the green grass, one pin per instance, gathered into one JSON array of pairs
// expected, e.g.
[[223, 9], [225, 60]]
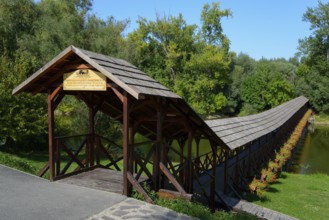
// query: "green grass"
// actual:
[[322, 118], [300, 196], [30, 162]]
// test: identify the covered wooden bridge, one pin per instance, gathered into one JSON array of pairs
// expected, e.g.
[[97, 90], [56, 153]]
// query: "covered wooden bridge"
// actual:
[[174, 134]]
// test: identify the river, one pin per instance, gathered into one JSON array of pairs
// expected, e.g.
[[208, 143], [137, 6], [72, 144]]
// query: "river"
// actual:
[[313, 155]]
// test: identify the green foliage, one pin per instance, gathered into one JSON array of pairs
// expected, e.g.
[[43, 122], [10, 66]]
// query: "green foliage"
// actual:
[[267, 86], [314, 71], [195, 67], [20, 116], [212, 31]]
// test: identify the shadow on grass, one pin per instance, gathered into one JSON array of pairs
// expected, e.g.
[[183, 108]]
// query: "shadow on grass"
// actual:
[[283, 176], [272, 190], [255, 198]]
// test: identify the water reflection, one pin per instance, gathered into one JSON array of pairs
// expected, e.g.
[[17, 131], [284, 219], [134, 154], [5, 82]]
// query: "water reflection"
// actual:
[[313, 155]]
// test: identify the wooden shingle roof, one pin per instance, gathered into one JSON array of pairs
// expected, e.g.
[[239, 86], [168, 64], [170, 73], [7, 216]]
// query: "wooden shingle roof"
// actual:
[[121, 72], [231, 133], [238, 131]]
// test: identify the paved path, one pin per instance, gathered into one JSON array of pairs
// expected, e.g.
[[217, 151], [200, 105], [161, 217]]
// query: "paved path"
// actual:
[[23, 196], [137, 210]]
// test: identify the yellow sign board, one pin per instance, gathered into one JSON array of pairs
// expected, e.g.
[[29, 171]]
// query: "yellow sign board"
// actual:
[[84, 80]]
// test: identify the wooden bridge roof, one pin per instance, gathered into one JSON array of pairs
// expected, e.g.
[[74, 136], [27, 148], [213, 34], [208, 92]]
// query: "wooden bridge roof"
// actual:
[[238, 131], [124, 74], [126, 78], [231, 133]]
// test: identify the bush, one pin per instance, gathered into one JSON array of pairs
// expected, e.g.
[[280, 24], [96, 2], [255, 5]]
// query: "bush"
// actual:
[[270, 174]]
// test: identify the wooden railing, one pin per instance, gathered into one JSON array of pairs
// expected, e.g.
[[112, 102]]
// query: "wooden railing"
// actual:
[[92, 151]]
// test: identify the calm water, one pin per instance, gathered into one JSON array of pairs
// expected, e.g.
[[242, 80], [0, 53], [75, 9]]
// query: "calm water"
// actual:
[[313, 155]]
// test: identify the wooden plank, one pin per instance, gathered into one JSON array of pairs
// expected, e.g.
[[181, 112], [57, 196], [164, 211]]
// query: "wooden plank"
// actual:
[[138, 188], [171, 178], [75, 154], [92, 134], [44, 169], [188, 171], [71, 155], [51, 137], [125, 124], [109, 157]]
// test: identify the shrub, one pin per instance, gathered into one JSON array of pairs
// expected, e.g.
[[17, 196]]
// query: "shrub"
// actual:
[[270, 174]]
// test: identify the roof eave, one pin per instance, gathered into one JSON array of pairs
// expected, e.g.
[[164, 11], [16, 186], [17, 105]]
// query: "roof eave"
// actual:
[[21, 87]]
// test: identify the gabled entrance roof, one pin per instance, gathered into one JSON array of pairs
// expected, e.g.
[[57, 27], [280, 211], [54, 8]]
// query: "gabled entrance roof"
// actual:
[[124, 74]]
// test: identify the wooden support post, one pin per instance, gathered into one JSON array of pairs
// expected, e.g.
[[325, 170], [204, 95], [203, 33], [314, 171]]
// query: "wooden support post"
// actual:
[[189, 172], [91, 136], [225, 170], [157, 151], [126, 153], [213, 181], [197, 161], [181, 143], [58, 156], [51, 147], [131, 149], [237, 170], [97, 149]]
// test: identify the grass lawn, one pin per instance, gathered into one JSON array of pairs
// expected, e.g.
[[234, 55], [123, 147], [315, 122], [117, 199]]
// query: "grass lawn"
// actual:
[[321, 118], [300, 196]]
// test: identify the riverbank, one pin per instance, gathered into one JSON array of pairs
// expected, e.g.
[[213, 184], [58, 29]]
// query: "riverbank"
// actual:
[[300, 196]]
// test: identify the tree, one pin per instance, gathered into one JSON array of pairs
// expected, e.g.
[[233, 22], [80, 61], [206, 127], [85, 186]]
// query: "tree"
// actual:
[[266, 87], [212, 30], [193, 64], [241, 67], [23, 116], [16, 22], [314, 50]]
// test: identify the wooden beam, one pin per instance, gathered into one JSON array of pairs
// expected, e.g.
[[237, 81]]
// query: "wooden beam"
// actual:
[[125, 124], [51, 123], [116, 91], [77, 66], [92, 113], [213, 181], [189, 176], [225, 170], [171, 178], [131, 149], [43, 170], [138, 187]]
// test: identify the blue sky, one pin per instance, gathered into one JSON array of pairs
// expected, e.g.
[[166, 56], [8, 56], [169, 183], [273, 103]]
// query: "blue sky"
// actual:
[[260, 28]]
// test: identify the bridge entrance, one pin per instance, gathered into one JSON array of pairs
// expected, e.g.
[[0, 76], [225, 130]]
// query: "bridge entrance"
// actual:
[[169, 157]]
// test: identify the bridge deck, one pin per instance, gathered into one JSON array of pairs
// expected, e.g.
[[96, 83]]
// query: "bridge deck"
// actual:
[[100, 178]]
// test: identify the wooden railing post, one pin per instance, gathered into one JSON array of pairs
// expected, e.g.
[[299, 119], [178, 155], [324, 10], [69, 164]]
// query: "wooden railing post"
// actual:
[[51, 136], [125, 145]]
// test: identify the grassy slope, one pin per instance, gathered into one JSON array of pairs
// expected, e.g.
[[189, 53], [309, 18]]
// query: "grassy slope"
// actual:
[[301, 196]]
